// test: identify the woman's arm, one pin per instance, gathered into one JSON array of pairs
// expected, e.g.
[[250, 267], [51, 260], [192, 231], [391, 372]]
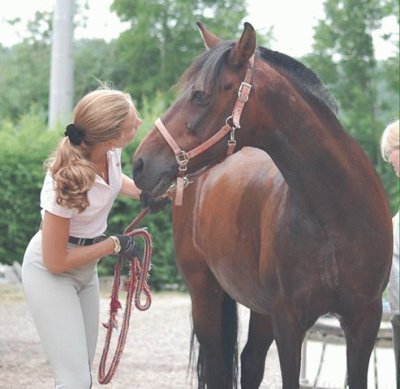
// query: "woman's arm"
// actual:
[[57, 257], [129, 188]]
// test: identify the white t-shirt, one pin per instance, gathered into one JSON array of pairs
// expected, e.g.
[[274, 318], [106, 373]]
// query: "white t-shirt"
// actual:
[[92, 221], [394, 272]]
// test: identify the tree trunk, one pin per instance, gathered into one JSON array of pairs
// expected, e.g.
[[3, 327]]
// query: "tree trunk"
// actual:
[[61, 77]]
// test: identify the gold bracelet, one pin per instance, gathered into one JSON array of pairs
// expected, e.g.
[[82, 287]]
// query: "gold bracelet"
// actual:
[[117, 244]]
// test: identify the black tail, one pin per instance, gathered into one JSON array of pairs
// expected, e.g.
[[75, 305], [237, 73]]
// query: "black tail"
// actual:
[[229, 344]]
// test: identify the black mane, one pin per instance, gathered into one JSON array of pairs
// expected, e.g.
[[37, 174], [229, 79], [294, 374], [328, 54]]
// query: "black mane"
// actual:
[[301, 75], [207, 69]]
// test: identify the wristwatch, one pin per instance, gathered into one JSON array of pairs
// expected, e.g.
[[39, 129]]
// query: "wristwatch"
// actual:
[[117, 244]]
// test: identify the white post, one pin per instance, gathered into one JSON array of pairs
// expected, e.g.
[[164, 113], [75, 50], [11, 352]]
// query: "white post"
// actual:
[[62, 65], [303, 367]]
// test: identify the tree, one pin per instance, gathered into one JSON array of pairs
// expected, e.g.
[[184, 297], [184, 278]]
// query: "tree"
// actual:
[[25, 69], [366, 89], [95, 62], [343, 55], [163, 38]]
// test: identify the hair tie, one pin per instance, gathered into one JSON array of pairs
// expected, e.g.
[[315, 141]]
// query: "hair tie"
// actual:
[[74, 134]]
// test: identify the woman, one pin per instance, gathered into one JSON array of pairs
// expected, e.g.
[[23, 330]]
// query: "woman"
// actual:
[[391, 153], [59, 268]]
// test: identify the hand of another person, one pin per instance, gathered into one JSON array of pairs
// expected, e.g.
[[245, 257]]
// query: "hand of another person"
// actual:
[[156, 204]]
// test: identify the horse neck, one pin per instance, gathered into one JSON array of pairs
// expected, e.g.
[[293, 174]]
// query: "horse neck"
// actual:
[[326, 171]]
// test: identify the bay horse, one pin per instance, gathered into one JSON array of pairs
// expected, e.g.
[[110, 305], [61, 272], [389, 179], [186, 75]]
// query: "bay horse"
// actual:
[[292, 231]]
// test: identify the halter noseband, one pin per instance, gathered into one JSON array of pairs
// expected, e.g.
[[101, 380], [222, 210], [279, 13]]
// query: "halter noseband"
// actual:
[[182, 157]]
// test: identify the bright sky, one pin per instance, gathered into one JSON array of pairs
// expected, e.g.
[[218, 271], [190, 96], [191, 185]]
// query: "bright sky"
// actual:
[[292, 21]]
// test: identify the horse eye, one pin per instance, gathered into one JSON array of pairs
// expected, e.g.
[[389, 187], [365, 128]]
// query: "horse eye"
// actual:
[[199, 97], [228, 86]]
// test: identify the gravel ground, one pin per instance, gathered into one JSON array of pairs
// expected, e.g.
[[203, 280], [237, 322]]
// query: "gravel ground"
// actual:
[[155, 356], [157, 350]]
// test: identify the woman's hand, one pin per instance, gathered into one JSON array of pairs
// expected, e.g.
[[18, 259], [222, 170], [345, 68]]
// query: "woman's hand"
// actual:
[[129, 188], [127, 248]]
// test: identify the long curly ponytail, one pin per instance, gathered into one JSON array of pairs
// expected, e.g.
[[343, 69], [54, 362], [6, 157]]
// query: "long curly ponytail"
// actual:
[[99, 117]]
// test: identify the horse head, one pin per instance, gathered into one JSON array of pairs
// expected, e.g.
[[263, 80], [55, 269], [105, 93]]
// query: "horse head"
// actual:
[[209, 91]]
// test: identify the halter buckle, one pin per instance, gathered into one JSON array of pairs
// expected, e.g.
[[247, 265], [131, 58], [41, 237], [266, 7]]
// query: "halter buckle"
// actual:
[[244, 91], [182, 159]]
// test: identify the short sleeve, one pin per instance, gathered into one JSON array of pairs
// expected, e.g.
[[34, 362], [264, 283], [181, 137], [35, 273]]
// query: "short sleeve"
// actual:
[[48, 199]]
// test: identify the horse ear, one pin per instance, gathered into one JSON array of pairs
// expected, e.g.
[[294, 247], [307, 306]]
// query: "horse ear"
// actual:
[[209, 39], [245, 48]]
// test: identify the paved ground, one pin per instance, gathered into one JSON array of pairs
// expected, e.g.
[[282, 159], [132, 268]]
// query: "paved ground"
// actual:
[[156, 353]]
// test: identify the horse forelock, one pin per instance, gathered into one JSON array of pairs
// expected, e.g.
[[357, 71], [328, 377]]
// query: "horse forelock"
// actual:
[[302, 76], [206, 69]]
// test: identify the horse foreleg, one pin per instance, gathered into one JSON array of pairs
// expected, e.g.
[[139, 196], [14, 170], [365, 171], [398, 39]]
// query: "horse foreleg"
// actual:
[[360, 327], [255, 351], [215, 326], [288, 335]]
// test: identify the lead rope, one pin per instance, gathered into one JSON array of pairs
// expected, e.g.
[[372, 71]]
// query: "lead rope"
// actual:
[[136, 286]]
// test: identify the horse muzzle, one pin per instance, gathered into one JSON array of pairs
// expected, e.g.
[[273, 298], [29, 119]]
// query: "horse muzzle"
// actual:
[[150, 178]]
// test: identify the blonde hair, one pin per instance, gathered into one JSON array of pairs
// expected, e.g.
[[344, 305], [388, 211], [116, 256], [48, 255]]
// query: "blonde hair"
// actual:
[[390, 139], [100, 115]]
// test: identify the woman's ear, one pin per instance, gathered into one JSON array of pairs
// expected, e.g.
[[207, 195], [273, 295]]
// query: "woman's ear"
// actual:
[[109, 145]]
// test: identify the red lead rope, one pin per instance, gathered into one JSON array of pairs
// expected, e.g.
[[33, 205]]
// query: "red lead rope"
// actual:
[[137, 284]]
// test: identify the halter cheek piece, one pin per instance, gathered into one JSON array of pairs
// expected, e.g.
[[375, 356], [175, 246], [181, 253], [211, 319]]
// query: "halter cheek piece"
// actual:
[[232, 123]]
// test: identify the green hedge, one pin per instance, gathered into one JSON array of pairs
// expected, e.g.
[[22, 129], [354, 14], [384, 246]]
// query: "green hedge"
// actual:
[[23, 148]]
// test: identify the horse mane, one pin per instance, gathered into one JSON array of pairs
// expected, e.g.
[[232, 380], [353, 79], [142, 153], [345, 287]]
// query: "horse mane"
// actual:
[[207, 68], [301, 75]]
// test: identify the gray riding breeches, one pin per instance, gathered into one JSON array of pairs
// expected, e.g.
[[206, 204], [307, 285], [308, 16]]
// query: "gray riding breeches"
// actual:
[[65, 310]]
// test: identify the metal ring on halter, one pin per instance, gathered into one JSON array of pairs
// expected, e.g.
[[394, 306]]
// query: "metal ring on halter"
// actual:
[[186, 182], [232, 124]]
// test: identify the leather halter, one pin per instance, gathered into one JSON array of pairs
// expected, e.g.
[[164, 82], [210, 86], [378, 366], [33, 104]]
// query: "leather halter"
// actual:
[[232, 123]]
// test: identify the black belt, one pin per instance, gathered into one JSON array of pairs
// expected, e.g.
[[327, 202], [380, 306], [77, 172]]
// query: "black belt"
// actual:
[[85, 241]]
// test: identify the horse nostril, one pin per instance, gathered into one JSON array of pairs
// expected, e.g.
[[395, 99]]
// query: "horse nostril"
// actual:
[[138, 169]]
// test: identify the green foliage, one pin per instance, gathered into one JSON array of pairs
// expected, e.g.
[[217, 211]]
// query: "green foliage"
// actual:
[[20, 89], [367, 90], [25, 69], [163, 39], [94, 62], [23, 149]]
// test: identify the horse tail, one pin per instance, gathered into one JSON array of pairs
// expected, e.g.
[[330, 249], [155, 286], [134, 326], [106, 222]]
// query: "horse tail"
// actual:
[[229, 334], [230, 324]]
